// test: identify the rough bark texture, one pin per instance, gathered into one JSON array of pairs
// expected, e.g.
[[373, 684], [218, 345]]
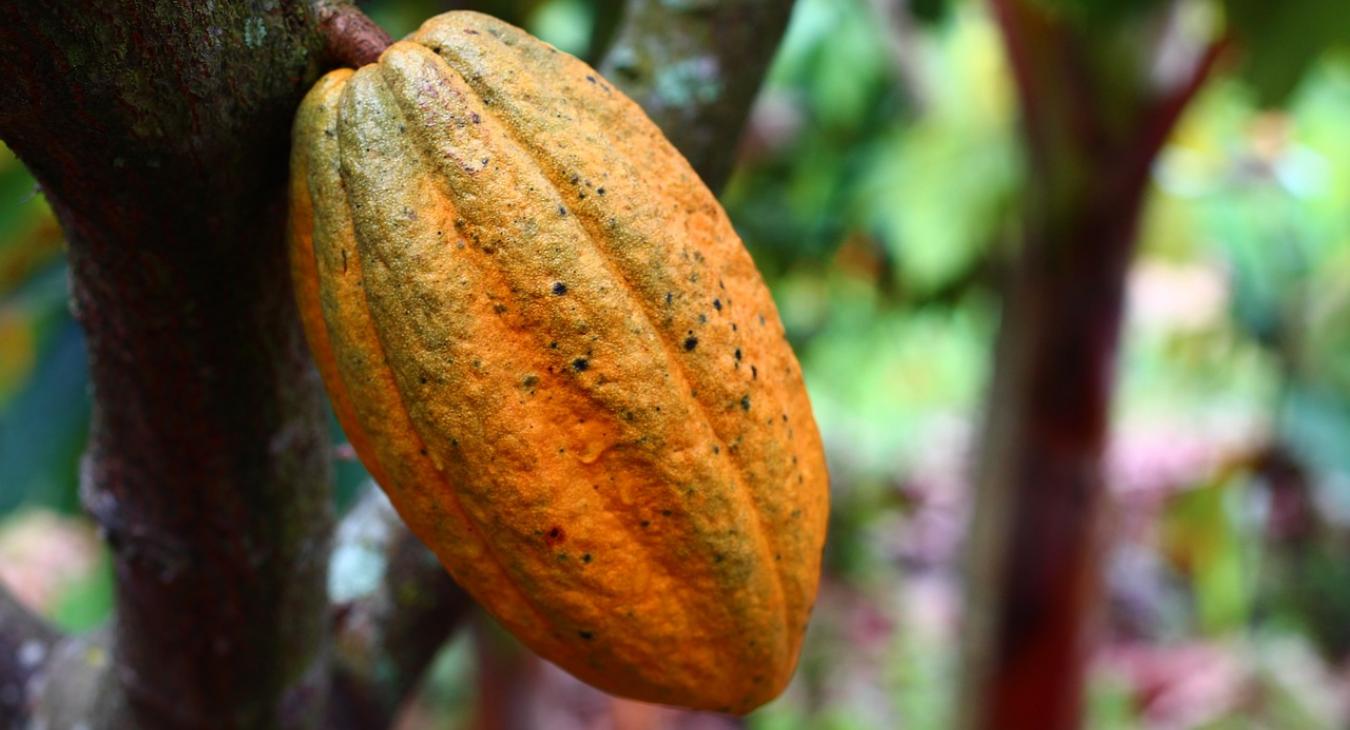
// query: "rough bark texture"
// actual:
[[695, 66], [1037, 543], [158, 131]]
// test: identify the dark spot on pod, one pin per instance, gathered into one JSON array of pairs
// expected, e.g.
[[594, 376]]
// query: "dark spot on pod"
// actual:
[[422, 379], [562, 211], [471, 31], [717, 449], [553, 345], [665, 513], [473, 117], [702, 319], [645, 523], [580, 364], [575, 178], [761, 320], [586, 635], [734, 327], [489, 250], [581, 196], [754, 373], [738, 354], [585, 557], [717, 557], [559, 288], [555, 536], [745, 402], [591, 79], [530, 381], [690, 343], [499, 308], [784, 418], [344, 260], [599, 191], [717, 304], [422, 451], [670, 296]]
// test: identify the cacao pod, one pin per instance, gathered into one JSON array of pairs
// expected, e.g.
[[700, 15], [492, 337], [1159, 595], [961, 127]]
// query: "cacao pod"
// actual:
[[546, 342]]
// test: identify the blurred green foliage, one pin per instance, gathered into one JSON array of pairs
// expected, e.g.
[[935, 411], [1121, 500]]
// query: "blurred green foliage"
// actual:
[[878, 182]]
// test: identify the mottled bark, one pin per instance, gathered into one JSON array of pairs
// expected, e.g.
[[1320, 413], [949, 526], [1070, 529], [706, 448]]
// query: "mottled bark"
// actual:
[[158, 131], [1092, 133], [26, 643], [394, 606], [696, 66]]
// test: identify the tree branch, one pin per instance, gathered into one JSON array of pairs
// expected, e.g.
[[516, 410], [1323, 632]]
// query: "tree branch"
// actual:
[[26, 644], [394, 606], [696, 66]]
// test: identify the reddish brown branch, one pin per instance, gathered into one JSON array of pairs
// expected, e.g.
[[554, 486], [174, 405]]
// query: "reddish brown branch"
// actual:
[[1036, 558], [350, 37], [1164, 113]]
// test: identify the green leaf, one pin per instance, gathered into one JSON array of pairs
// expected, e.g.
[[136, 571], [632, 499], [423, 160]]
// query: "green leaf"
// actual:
[[1281, 41]]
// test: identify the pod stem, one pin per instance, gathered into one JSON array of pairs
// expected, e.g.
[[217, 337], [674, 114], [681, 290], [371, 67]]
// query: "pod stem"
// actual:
[[350, 37]]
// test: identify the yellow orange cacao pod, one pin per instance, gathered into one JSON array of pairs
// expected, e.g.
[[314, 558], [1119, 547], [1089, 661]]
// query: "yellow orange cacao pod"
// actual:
[[546, 342]]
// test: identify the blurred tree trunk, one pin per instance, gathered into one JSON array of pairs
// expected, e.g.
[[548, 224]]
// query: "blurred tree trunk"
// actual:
[[1094, 121]]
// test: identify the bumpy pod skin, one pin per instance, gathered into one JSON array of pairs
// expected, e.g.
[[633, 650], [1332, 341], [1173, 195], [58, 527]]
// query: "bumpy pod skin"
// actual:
[[546, 342]]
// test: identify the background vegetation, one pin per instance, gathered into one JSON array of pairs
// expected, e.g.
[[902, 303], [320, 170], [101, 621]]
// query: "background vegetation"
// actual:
[[877, 187]]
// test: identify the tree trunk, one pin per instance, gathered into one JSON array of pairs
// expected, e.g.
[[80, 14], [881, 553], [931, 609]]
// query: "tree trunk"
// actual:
[[159, 132], [1092, 129]]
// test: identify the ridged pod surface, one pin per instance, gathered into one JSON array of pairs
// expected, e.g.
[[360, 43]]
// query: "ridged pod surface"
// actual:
[[548, 345]]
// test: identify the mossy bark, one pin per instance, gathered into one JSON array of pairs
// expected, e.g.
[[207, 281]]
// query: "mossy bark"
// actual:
[[695, 67]]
